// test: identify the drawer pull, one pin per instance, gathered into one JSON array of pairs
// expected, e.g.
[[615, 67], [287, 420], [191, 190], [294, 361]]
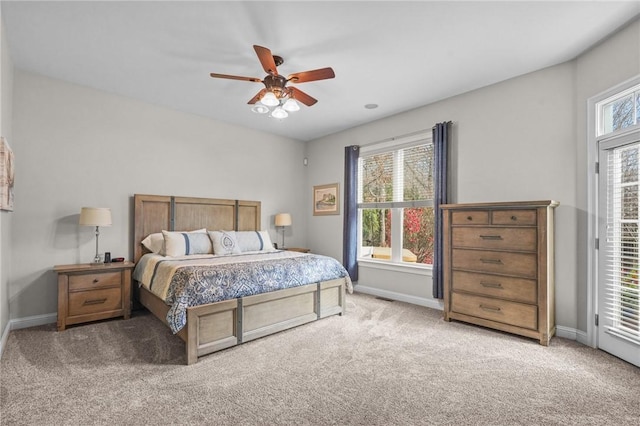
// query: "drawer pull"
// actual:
[[491, 237], [95, 301], [514, 218], [490, 285], [95, 280], [492, 261], [490, 308], [469, 218]]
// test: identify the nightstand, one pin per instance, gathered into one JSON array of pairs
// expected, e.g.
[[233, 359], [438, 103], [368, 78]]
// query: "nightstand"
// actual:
[[300, 249], [93, 292]]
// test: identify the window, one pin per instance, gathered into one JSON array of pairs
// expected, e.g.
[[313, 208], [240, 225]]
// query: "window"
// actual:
[[395, 201], [619, 112], [621, 286]]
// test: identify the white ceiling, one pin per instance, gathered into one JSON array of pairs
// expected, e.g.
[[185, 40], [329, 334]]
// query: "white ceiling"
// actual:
[[399, 55]]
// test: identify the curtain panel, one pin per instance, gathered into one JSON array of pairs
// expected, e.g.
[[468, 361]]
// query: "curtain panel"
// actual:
[[350, 232], [441, 133]]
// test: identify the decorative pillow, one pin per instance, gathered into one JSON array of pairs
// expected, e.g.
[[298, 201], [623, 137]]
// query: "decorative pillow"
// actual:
[[254, 241], [154, 242], [186, 243], [224, 242]]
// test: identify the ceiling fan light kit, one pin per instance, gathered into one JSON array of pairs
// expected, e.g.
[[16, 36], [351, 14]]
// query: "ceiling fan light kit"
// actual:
[[276, 97]]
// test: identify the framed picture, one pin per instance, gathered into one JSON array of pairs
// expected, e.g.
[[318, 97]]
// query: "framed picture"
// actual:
[[326, 199], [6, 175]]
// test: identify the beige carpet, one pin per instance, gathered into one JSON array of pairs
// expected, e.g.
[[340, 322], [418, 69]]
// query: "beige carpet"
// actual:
[[383, 363]]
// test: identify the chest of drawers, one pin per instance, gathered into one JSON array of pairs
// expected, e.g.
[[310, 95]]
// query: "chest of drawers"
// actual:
[[498, 266]]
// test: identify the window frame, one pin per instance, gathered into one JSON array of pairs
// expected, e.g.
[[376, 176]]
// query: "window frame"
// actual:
[[600, 116], [397, 219]]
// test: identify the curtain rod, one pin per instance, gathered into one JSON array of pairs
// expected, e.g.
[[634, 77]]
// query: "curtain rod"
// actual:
[[406, 135]]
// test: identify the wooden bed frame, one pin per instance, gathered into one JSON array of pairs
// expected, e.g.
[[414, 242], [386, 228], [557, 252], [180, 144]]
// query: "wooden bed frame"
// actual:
[[221, 325]]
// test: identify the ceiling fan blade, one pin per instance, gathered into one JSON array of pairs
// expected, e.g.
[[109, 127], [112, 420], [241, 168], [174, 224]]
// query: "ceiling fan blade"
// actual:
[[299, 95], [236, 77], [257, 97], [266, 59], [320, 74]]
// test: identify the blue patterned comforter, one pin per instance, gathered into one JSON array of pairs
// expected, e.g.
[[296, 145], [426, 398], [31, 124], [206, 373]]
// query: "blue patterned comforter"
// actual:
[[188, 281]]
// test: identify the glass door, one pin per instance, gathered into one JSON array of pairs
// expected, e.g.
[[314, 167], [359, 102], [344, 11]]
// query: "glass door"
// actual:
[[618, 212]]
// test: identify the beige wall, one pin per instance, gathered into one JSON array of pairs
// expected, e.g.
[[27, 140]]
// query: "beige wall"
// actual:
[[81, 147], [608, 64], [512, 141], [6, 91], [522, 139]]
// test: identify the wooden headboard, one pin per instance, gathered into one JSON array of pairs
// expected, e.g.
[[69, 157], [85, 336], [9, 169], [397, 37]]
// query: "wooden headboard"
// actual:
[[155, 213]]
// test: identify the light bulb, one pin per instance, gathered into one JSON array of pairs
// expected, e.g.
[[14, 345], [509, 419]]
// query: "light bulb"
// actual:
[[291, 105], [260, 109], [279, 113], [269, 99]]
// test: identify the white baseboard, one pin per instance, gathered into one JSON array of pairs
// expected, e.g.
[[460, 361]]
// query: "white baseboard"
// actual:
[[33, 321], [5, 337], [572, 334], [400, 297]]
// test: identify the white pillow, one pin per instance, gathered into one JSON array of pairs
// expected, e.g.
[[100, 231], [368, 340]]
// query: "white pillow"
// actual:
[[224, 242], [254, 241], [154, 242], [186, 243]]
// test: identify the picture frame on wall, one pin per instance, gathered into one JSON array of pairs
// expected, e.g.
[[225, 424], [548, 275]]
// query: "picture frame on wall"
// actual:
[[326, 199], [6, 175]]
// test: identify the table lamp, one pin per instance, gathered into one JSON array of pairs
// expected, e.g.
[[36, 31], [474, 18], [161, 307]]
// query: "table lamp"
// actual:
[[283, 219], [95, 216]]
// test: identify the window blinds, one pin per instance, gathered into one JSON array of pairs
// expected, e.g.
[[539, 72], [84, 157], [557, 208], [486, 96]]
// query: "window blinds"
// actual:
[[622, 309], [400, 177]]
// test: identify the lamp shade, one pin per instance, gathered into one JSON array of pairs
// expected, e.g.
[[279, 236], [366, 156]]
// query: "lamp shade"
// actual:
[[95, 216], [283, 219]]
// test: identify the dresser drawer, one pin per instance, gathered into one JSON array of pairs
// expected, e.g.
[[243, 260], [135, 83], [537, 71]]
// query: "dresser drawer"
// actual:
[[519, 239], [514, 217], [512, 313], [518, 264], [470, 217], [509, 288], [91, 302], [93, 281]]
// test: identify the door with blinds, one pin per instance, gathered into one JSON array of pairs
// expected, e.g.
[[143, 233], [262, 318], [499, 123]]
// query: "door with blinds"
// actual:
[[618, 294]]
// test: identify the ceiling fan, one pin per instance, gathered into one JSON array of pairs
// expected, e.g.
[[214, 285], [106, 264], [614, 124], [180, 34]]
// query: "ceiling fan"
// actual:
[[277, 94]]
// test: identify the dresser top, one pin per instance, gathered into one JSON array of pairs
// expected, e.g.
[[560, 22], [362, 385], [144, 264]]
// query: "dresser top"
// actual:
[[504, 204]]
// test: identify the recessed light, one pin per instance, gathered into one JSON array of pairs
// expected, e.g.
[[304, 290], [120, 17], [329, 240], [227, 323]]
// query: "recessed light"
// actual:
[[371, 106]]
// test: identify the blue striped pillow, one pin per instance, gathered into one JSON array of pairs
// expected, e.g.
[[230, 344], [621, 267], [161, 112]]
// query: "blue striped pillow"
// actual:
[[254, 241], [186, 243]]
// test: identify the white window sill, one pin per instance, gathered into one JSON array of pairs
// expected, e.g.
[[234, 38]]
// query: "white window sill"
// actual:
[[409, 268]]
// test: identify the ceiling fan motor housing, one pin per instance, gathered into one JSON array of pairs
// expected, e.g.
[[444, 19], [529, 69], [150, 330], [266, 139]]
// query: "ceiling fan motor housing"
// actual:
[[275, 84]]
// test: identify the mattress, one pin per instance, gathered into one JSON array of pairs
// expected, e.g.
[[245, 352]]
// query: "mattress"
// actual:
[[194, 280]]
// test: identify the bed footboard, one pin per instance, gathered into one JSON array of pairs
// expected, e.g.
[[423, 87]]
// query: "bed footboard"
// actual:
[[221, 325]]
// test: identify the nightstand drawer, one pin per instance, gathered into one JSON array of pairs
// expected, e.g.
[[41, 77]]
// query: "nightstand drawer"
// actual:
[[94, 281], [512, 313], [91, 302]]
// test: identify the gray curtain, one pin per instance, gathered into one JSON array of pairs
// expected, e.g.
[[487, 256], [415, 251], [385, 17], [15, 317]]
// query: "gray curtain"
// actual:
[[441, 133], [350, 232]]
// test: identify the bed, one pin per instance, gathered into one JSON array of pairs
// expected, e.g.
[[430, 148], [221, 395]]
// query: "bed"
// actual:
[[210, 327]]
